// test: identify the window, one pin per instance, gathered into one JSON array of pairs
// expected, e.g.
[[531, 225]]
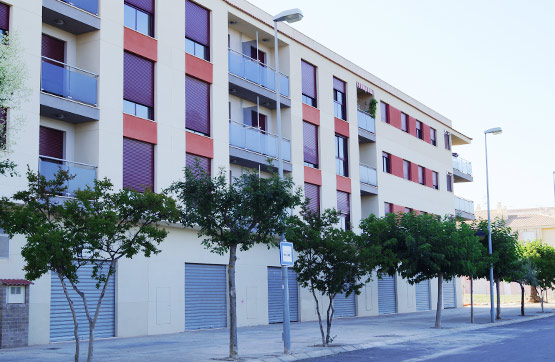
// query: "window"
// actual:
[[406, 170], [258, 120], [435, 180], [387, 208], [419, 130], [3, 128], [404, 122], [193, 161], [16, 294], [310, 144], [421, 175], [449, 182], [4, 245], [433, 136], [447, 140], [341, 156], [339, 101], [138, 86], [197, 106], [51, 142], [4, 19], [54, 49], [138, 165], [312, 194], [386, 162], [344, 209], [384, 110], [197, 30], [408, 210], [137, 15], [309, 83]]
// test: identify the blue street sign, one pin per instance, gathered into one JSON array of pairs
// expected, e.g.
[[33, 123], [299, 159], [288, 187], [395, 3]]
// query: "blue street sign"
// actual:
[[286, 253]]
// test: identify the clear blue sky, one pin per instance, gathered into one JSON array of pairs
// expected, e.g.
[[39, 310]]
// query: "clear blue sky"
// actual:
[[480, 63]]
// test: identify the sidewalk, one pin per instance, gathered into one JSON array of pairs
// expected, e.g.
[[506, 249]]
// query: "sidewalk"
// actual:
[[263, 343]]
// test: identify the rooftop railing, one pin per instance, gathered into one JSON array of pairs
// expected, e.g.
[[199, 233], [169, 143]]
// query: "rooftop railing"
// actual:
[[88, 5], [368, 175], [258, 141], [84, 175], [69, 82], [256, 72], [464, 205], [462, 165], [366, 121]]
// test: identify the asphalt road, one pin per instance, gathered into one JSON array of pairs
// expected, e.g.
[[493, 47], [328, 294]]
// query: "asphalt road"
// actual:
[[529, 341]]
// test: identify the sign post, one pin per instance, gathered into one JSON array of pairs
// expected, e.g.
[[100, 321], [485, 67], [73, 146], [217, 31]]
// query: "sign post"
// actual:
[[286, 260]]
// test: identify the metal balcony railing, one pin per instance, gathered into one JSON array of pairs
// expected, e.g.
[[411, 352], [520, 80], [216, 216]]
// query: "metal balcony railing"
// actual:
[[366, 121], [88, 5], [464, 205], [84, 175], [68, 82], [258, 141], [256, 72], [462, 165], [368, 175]]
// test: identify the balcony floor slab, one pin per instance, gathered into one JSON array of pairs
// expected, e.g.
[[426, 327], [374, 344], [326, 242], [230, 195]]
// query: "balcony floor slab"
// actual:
[[73, 112], [72, 19]]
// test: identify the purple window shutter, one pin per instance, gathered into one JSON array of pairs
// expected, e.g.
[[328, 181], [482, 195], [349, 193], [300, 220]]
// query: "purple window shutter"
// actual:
[[203, 162], [309, 79], [343, 203], [146, 5], [4, 17], [51, 142], [138, 79], [138, 165], [197, 105], [312, 194], [3, 127], [339, 85], [310, 143], [53, 48], [197, 23]]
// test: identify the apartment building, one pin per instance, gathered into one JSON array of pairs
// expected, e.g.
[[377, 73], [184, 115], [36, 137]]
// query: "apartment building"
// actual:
[[135, 90]]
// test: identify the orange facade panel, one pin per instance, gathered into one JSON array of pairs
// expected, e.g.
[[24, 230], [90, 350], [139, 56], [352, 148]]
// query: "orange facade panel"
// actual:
[[199, 145], [311, 114], [198, 68], [140, 44], [312, 176], [140, 129]]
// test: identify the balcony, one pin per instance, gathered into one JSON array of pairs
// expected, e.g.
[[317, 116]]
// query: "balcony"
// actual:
[[68, 93], [249, 79], [251, 147], [368, 180], [366, 127], [74, 16], [462, 170], [84, 174], [464, 208]]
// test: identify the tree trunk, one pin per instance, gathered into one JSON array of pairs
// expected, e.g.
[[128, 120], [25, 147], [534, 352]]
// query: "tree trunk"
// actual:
[[471, 300], [329, 318], [541, 297], [497, 290], [534, 298], [319, 316], [439, 300], [233, 348], [75, 323], [521, 299]]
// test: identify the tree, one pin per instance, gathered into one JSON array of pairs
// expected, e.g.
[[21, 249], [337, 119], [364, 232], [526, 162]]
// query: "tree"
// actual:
[[330, 260], [248, 211], [96, 227], [542, 256], [504, 253], [12, 92], [524, 273]]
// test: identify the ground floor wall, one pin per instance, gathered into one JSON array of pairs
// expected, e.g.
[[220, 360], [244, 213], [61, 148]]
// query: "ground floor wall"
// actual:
[[150, 292]]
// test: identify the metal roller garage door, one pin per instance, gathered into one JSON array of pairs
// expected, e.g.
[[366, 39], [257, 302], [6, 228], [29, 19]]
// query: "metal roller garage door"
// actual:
[[205, 296], [275, 296], [423, 295], [61, 320], [387, 300], [344, 306], [449, 294]]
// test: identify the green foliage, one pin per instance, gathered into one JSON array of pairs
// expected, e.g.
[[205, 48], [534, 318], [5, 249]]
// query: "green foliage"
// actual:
[[542, 256], [372, 107], [525, 271], [329, 260], [385, 235]]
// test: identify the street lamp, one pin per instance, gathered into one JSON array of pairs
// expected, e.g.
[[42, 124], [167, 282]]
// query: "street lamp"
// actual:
[[290, 16], [493, 131]]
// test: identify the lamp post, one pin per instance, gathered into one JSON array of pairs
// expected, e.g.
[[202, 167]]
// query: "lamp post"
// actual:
[[290, 16], [493, 131]]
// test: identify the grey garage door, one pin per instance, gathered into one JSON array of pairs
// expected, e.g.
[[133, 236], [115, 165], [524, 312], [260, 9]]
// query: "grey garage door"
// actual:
[[205, 296], [61, 320], [449, 294], [344, 306], [423, 295], [387, 301], [275, 296]]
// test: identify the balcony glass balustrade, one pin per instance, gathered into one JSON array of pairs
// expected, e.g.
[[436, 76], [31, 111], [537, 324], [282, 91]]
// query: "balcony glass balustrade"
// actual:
[[69, 82], [256, 72], [255, 140], [462, 165], [366, 121], [368, 175], [464, 205], [88, 5], [84, 174]]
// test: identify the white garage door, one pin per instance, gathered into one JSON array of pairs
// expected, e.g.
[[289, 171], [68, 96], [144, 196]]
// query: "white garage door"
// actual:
[[423, 295], [387, 301], [449, 294], [344, 306], [275, 296], [205, 296]]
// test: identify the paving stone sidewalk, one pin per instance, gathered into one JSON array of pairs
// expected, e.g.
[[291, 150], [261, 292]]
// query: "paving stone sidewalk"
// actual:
[[263, 343]]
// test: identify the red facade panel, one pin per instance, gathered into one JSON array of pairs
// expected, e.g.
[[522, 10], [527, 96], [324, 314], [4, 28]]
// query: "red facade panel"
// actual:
[[414, 172], [429, 180], [138, 165], [311, 114], [313, 176], [140, 44], [395, 117], [51, 142], [199, 145], [341, 127], [398, 209], [412, 126], [198, 68], [426, 133], [343, 184], [396, 166], [140, 129]]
